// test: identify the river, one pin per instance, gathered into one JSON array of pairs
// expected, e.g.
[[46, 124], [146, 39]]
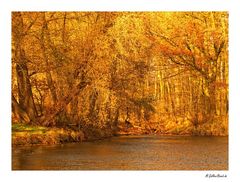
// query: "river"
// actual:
[[127, 153]]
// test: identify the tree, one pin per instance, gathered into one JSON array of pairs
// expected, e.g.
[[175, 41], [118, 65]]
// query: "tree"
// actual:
[[102, 69]]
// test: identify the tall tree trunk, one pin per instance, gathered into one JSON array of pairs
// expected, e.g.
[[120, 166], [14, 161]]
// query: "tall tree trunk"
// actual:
[[25, 94], [45, 34]]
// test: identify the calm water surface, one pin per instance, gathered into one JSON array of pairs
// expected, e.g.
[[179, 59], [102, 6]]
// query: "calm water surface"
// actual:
[[127, 153]]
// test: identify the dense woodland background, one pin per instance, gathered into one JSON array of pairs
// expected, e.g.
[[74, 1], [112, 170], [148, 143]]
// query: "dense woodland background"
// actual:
[[158, 72]]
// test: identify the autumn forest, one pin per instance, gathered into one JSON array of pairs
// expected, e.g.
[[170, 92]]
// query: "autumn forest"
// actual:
[[88, 75]]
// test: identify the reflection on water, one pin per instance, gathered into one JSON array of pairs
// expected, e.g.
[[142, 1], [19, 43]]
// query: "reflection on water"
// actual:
[[128, 153]]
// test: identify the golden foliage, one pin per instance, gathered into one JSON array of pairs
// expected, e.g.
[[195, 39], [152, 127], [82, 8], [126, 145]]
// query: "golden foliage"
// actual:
[[101, 69]]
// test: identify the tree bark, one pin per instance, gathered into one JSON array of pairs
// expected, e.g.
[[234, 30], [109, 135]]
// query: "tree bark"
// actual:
[[18, 112]]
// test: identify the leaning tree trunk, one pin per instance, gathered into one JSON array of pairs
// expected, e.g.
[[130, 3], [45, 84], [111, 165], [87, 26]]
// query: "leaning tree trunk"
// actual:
[[49, 118]]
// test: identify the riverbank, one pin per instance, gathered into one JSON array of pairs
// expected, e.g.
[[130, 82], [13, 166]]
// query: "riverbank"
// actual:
[[37, 135], [180, 128]]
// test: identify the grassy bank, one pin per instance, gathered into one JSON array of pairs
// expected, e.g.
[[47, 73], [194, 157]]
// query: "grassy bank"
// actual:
[[30, 135], [37, 135], [33, 135]]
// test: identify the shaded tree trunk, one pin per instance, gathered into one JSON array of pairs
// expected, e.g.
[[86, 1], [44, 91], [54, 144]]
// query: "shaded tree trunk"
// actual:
[[25, 94], [18, 112]]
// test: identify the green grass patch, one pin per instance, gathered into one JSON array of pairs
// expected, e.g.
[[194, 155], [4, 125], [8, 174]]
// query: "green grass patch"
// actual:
[[29, 135], [28, 128]]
